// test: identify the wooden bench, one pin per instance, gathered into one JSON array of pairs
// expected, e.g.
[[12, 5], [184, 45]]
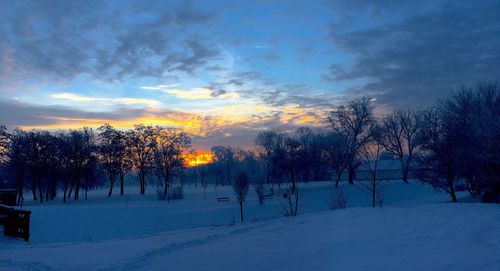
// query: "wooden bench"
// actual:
[[16, 222], [8, 197], [223, 199]]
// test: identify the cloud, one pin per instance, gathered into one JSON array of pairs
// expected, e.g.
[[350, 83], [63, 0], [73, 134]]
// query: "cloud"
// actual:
[[236, 124], [160, 87], [117, 101], [195, 93], [413, 58], [64, 39], [74, 97], [202, 93]]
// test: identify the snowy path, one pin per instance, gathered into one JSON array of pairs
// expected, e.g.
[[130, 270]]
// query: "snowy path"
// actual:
[[426, 237]]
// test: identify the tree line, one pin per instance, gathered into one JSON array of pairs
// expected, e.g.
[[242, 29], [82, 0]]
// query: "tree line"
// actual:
[[79, 160], [453, 143]]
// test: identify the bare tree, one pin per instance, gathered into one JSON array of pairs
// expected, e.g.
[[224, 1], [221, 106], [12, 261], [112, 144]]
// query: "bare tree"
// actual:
[[267, 142], [438, 161], [39, 150], [240, 187], [81, 153], [470, 129], [353, 123], [336, 154], [400, 137], [291, 157], [370, 158], [141, 150], [224, 161], [123, 159], [306, 152], [169, 148], [110, 150], [292, 160], [17, 160]]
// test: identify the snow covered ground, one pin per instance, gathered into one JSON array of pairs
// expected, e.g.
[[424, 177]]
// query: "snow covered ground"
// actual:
[[416, 230]]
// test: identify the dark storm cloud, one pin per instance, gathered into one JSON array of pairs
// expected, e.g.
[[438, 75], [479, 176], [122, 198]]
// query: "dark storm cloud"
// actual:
[[420, 55], [63, 39]]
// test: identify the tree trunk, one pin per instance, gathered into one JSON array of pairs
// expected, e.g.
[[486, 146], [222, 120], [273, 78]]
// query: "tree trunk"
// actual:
[[451, 184], [268, 177], [77, 186], [53, 191], [71, 190], [406, 168], [112, 183], [20, 189], [352, 174], [65, 188], [40, 190], [339, 176], [121, 184], [452, 189], [142, 180], [374, 194], [453, 196], [241, 211], [296, 211], [33, 189]]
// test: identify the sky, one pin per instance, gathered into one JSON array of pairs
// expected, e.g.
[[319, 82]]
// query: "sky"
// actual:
[[225, 70]]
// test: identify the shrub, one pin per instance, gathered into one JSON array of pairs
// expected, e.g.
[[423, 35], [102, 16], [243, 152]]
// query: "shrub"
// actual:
[[338, 199]]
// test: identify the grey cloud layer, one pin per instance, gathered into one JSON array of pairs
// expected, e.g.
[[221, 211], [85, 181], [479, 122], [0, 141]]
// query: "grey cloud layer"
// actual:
[[422, 55], [63, 39]]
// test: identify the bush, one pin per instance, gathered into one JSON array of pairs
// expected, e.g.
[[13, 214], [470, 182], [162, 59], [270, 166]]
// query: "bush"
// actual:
[[338, 199], [491, 194]]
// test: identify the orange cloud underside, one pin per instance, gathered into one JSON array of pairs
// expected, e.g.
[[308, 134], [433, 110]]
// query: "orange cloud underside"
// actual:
[[190, 125], [196, 123]]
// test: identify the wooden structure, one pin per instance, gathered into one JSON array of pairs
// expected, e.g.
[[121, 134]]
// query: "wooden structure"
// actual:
[[8, 197], [16, 222]]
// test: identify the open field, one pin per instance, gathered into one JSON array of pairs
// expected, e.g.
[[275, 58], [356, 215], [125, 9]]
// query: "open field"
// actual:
[[416, 230]]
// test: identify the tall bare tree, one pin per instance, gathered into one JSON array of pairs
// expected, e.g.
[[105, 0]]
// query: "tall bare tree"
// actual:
[[224, 162], [170, 146], [370, 159], [82, 149], [141, 150], [353, 123], [267, 142], [336, 154], [438, 161], [110, 151], [400, 137], [240, 187]]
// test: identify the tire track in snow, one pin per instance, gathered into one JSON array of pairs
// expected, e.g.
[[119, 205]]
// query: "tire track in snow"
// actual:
[[33, 266], [146, 258]]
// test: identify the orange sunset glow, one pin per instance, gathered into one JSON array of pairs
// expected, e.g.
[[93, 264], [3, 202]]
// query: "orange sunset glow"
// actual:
[[197, 159]]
